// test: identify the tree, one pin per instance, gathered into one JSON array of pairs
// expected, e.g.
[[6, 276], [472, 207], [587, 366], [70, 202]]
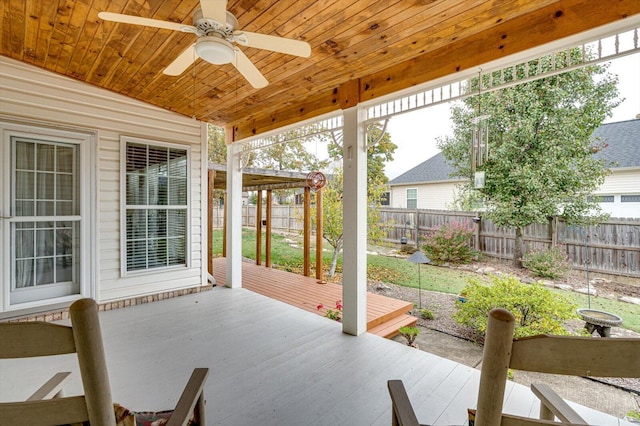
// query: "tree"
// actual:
[[377, 154], [332, 214], [291, 155], [216, 145], [540, 160]]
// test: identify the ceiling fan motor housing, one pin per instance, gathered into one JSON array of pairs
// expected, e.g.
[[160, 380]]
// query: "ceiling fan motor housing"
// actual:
[[207, 26]]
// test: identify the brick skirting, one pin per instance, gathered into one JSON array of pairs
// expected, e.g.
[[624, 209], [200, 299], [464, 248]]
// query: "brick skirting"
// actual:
[[61, 314]]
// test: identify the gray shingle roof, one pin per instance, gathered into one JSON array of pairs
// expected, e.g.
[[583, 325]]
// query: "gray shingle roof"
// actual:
[[433, 170], [623, 139]]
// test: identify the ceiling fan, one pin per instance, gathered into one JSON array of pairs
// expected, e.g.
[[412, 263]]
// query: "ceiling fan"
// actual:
[[216, 29]]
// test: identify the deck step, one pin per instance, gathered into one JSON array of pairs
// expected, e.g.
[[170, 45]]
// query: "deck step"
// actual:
[[390, 328], [395, 308]]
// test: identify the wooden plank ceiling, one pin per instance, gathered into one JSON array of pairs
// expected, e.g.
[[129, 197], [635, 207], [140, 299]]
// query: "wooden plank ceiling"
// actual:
[[361, 49]]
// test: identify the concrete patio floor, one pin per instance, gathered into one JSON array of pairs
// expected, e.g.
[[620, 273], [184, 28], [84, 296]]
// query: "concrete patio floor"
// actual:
[[270, 363]]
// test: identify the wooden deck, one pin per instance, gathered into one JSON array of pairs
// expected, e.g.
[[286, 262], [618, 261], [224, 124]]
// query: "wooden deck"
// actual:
[[385, 315], [270, 364]]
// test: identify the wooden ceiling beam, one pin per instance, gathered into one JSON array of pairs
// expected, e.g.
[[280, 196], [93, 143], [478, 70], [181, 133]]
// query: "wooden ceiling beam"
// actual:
[[550, 23]]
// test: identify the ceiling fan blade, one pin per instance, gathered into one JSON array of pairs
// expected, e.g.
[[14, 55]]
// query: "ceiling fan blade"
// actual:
[[273, 43], [215, 9], [147, 22], [182, 62], [249, 71]]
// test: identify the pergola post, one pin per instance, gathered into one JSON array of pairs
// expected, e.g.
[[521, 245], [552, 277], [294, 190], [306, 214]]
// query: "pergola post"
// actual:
[[268, 230], [319, 234], [307, 232], [233, 215], [354, 257], [259, 228]]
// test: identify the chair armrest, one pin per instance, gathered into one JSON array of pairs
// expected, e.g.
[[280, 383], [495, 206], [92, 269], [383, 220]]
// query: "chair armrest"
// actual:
[[402, 411], [551, 404], [191, 396], [51, 389]]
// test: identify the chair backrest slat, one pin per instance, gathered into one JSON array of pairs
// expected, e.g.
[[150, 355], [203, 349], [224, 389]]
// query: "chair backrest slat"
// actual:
[[47, 412], [577, 356], [31, 339]]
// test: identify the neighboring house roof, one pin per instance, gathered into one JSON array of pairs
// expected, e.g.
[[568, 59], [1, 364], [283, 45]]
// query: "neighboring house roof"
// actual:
[[433, 170], [623, 139]]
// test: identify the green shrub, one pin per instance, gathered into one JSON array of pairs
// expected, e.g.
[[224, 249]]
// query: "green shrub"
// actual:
[[550, 263], [536, 309], [450, 243], [409, 333], [633, 415], [426, 314]]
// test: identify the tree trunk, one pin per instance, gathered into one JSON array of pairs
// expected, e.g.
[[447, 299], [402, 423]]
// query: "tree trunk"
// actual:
[[334, 259], [517, 249]]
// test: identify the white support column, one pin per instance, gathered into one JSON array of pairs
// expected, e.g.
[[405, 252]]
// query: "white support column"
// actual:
[[354, 257], [233, 210]]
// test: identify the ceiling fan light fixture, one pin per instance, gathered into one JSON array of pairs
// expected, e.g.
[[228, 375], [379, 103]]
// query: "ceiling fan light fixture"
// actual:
[[215, 50]]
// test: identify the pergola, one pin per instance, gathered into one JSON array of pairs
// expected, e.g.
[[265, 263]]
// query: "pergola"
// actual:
[[365, 53], [261, 180]]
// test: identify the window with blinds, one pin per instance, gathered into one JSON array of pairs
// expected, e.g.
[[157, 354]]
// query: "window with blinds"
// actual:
[[156, 206]]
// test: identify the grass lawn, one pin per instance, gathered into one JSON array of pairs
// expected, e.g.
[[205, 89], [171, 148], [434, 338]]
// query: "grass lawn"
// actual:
[[400, 271]]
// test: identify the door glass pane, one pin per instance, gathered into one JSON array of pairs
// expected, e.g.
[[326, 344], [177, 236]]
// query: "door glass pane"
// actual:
[[45, 157], [24, 243], [24, 273], [64, 160], [64, 208], [25, 208], [44, 242], [44, 271], [64, 187], [45, 252], [45, 208], [24, 185], [45, 186], [25, 156]]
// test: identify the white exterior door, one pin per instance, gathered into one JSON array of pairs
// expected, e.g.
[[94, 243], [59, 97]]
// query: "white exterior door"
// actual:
[[44, 226]]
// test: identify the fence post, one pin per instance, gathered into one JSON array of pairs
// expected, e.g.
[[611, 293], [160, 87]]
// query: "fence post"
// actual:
[[476, 232], [554, 230]]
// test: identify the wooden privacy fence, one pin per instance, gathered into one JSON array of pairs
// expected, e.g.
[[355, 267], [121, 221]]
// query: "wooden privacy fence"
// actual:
[[612, 247]]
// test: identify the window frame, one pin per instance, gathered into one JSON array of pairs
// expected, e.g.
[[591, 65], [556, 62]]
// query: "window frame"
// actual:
[[124, 272], [86, 273], [407, 198]]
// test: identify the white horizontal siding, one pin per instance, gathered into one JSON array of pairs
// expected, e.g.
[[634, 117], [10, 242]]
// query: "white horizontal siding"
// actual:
[[621, 182], [625, 181], [437, 195], [38, 96]]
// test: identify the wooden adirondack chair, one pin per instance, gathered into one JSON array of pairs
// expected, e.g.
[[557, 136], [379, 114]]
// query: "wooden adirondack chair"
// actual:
[[47, 405], [569, 355]]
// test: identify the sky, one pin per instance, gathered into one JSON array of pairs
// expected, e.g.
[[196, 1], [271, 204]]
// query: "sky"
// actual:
[[426, 125]]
